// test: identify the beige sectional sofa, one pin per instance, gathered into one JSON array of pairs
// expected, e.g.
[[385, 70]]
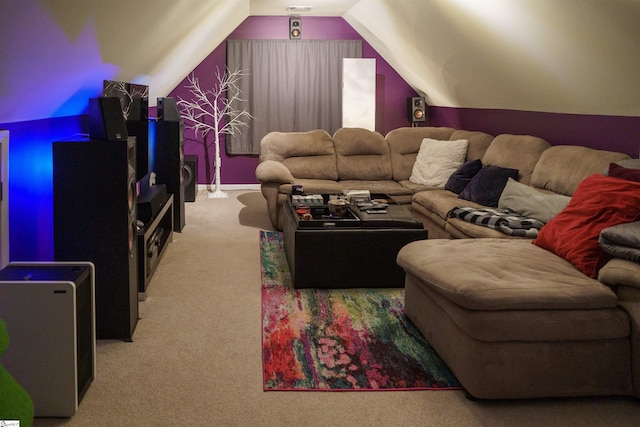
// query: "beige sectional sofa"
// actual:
[[351, 159], [512, 319], [552, 170]]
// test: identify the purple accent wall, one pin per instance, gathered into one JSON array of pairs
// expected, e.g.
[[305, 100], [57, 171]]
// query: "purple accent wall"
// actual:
[[613, 133], [392, 90]]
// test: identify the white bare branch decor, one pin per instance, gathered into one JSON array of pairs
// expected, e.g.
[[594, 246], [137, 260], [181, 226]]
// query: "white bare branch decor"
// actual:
[[212, 111]]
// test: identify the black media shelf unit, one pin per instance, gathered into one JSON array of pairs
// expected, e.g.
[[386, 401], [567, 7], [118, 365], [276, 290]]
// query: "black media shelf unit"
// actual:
[[153, 239]]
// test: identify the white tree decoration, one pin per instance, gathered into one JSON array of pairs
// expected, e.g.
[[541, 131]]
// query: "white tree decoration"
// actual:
[[214, 110]]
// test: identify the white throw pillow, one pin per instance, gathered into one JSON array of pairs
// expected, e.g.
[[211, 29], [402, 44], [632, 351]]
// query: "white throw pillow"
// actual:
[[437, 160], [531, 203]]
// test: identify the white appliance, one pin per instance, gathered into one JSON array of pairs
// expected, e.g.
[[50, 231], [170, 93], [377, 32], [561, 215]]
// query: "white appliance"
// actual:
[[49, 310]]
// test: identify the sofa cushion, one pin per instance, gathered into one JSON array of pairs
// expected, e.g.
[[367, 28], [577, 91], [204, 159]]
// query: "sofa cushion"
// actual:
[[630, 174], [313, 186], [306, 154], [463, 175], [620, 272], [415, 188], [461, 229], [437, 160], [502, 274], [561, 168], [441, 201], [380, 186], [478, 142], [487, 185], [516, 152], [598, 202], [531, 203], [550, 325], [361, 154]]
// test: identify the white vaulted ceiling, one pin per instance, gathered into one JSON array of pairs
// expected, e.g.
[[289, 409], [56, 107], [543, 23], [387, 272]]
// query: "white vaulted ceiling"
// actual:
[[571, 56], [567, 56]]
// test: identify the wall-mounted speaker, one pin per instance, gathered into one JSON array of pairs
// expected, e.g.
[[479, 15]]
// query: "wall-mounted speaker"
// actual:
[[416, 109], [190, 177], [106, 120], [295, 28], [94, 219]]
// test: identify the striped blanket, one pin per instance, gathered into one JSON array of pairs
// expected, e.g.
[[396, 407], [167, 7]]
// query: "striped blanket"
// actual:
[[504, 220]]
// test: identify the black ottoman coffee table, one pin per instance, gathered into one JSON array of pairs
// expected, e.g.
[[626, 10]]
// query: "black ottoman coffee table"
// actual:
[[357, 251]]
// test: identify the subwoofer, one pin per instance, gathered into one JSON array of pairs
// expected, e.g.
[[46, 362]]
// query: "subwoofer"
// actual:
[[416, 109], [94, 219], [169, 162], [190, 177]]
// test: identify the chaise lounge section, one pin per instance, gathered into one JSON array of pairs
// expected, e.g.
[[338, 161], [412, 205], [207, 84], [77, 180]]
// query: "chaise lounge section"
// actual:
[[556, 316]]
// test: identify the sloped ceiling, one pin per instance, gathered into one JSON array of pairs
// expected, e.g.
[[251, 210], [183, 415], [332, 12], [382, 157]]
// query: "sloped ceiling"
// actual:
[[569, 56]]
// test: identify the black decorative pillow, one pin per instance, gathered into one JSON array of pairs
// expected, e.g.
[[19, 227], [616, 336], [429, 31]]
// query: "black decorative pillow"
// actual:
[[462, 176], [487, 185]]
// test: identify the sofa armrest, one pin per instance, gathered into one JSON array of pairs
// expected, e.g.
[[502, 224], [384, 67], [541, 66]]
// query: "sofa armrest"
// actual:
[[273, 171], [620, 272]]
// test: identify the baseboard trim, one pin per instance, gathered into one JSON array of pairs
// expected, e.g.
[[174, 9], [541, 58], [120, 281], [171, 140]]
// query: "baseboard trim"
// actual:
[[230, 187]]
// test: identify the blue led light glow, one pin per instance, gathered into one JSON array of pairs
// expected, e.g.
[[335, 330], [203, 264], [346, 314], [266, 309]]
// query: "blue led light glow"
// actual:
[[31, 184], [152, 145]]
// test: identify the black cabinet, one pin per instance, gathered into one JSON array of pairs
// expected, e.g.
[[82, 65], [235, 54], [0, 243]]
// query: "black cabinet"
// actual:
[[153, 239]]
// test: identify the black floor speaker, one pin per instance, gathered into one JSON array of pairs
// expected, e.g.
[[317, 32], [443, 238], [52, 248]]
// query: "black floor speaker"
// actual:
[[94, 219], [190, 177], [169, 162]]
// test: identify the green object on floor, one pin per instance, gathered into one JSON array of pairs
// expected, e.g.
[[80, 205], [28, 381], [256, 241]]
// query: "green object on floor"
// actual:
[[15, 402]]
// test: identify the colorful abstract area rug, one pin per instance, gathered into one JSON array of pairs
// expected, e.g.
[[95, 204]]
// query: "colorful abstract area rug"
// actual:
[[339, 340]]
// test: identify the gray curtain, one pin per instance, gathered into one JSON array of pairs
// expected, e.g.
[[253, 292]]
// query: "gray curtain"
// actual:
[[293, 85]]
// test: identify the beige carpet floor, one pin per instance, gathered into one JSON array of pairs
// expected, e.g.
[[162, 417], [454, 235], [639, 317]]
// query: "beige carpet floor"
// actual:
[[195, 359]]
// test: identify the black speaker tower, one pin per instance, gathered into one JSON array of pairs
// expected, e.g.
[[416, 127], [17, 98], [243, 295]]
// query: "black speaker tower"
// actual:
[[169, 157], [94, 205]]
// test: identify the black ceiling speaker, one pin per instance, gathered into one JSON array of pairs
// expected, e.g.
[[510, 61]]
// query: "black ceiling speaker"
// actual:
[[416, 109], [295, 27]]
